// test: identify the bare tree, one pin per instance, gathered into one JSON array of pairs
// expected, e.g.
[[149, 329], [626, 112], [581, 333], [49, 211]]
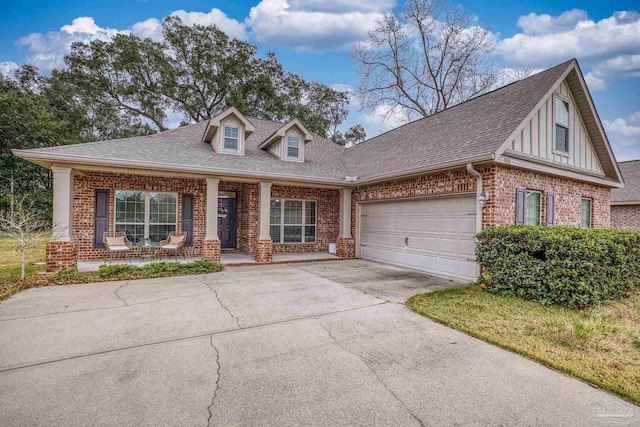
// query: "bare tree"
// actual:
[[432, 56], [355, 135], [510, 75], [23, 225]]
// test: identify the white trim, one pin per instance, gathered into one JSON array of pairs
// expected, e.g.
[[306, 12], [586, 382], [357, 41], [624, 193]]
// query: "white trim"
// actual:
[[555, 149], [224, 137], [147, 210], [631, 203], [540, 192], [304, 221]]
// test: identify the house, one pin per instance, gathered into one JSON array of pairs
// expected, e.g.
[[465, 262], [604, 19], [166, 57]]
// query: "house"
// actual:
[[533, 152], [625, 202]]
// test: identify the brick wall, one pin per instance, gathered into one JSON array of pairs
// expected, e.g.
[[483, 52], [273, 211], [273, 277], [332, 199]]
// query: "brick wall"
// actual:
[[84, 201], [327, 217], [501, 183], [625, 217]]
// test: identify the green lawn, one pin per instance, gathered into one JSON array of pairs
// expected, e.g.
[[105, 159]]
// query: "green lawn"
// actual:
[[600, 345], [10, 259]]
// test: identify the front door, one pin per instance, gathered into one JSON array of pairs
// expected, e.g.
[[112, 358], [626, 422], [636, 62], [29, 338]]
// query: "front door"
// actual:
[[227, 223]]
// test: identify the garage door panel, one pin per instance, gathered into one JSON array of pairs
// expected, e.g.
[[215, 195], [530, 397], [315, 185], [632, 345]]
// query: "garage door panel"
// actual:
[[440, 234]]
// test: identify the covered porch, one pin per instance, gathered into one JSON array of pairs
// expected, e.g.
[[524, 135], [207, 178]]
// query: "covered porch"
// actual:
[[228, 220]]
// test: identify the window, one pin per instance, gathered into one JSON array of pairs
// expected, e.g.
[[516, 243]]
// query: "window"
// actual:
[[231, 138], [146, 215], [532, 207], [293, 146], [562, 125], [586, 213], [293, 221]]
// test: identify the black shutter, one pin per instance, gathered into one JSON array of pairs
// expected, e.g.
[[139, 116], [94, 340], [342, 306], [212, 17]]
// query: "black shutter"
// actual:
[[520, 196], [187, 217], [100, 217], [551, 207]]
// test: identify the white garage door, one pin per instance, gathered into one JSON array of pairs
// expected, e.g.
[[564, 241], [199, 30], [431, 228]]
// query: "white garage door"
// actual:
[[431, 235]]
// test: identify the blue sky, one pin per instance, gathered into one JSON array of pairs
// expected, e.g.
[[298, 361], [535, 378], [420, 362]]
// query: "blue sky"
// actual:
[[313, 38]]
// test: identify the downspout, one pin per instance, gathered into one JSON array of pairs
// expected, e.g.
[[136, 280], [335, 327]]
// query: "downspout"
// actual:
[[479, 190]]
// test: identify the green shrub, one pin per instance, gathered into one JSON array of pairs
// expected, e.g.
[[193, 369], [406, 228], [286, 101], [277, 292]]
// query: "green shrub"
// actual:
[[559, 265], [108, 271]]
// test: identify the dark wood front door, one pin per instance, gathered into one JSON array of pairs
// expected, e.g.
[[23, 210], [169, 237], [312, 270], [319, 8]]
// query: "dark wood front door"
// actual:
[[227, 223]]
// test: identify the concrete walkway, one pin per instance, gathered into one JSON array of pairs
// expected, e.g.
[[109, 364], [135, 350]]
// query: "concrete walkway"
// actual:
[[287, 345]]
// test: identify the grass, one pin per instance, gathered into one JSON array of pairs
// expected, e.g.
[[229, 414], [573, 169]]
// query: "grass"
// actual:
[[10, 259], [11, 284], [600, 345]]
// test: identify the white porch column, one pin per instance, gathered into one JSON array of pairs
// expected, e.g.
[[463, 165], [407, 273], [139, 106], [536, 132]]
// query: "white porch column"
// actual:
[[345, 213], [62, 204], [265, 211], [212, 209]]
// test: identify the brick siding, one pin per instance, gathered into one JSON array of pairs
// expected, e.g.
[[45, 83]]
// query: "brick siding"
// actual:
[[625, 217], [501, 183]]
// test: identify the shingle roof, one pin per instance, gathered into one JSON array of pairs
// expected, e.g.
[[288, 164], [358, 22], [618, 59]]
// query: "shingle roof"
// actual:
[[467, 131], [631, 175]]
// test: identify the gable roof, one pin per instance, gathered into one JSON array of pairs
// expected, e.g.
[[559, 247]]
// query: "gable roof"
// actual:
[[631, 192], [473, 131]]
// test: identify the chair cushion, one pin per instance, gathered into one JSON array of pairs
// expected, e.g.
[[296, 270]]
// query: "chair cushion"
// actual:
[[115, 241], [169, 246], [118, 248], [174, 240]]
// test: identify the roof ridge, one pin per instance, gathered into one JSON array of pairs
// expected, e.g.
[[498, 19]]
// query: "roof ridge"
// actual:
[[466, 101]]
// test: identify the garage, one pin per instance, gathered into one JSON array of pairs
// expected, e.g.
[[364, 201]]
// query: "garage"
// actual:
[[432, 235]]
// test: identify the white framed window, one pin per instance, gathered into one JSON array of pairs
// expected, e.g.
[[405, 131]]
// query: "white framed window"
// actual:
[[562, 125], [293, 146], [293, 221], [586, 209], [145, 214], [231, 138], [533, 207]]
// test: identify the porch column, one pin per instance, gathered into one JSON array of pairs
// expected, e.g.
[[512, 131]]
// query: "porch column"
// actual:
[[345, 245], [61, 251], [264, 245], [211, 243]]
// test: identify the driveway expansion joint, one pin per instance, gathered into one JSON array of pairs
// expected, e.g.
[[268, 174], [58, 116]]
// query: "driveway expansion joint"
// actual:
[[372, 371]]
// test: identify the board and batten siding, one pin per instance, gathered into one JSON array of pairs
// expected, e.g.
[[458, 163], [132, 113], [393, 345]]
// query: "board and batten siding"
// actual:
[[537, 138]]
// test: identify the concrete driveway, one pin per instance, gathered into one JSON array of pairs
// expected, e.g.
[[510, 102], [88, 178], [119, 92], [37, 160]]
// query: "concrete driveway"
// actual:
[[288, 345]]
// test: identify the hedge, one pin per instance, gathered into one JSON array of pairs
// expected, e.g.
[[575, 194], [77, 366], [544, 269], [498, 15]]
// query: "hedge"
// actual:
[[564, 266]]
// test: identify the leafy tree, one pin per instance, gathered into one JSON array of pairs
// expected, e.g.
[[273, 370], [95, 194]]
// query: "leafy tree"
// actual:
[[430, 57], [197, 71], [355, 135]]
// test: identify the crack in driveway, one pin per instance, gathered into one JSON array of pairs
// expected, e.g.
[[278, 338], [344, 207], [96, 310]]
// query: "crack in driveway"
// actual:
[[372, 371], [118, 295], [215, 391], [220, 302]]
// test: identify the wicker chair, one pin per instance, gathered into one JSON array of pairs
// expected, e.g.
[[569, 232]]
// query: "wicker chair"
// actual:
[[174, 243], [116, 242]]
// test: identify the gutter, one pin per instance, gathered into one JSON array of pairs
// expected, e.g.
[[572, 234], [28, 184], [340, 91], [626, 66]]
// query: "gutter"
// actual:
[[479, 190]]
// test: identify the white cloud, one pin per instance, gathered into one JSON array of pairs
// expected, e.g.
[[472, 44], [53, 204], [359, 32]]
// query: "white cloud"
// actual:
[[536, 25], [47, 50], [383, 118], [624, 135], [315, 25], [591, 41], [152, 27], [595, 83], [7, 68], [611, 46]]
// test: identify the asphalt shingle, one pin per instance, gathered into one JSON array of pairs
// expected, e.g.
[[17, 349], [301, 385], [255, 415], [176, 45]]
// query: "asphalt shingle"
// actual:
[[631, 174]]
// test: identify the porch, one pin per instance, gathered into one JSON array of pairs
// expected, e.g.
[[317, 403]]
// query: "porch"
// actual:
[[226, 220]]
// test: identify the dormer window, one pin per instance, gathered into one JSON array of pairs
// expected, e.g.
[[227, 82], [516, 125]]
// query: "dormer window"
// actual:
[[293, 146], [562, 125], [231, 138]]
